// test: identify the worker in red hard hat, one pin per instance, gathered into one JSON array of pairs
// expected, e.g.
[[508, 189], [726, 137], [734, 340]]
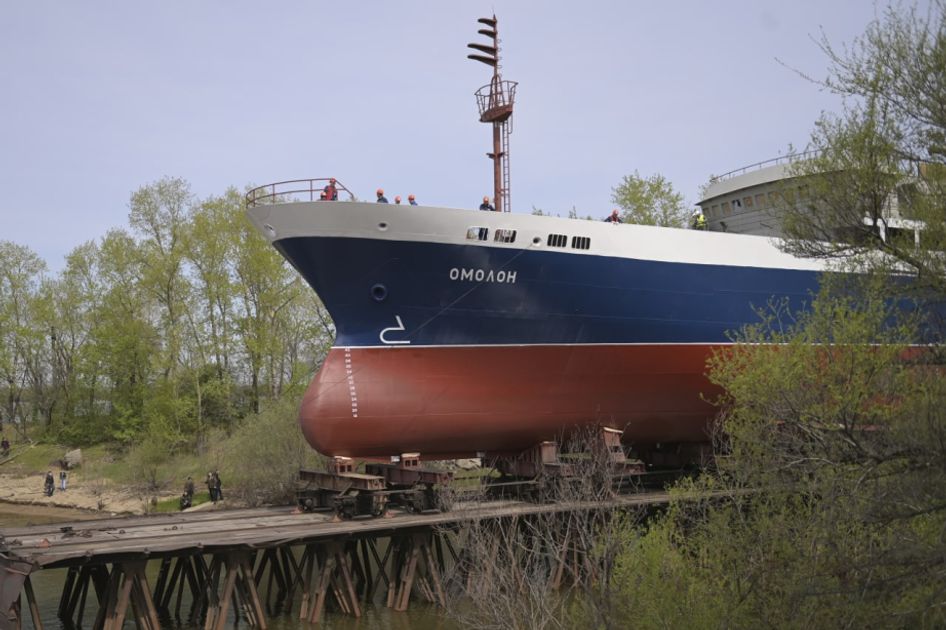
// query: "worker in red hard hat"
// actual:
[[614, 217], [411, 200], [381, 197], [486, 205], [331, 192], [397, 199]]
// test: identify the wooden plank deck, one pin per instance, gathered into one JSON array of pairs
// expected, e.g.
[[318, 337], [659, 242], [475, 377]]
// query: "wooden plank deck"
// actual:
[[108, 540]]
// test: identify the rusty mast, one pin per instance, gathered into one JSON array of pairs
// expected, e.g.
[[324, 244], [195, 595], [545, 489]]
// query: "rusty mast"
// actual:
[[495, 102]]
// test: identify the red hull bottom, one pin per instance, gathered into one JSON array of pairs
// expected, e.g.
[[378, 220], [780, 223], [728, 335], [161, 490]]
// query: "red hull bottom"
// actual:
[[457, 401]]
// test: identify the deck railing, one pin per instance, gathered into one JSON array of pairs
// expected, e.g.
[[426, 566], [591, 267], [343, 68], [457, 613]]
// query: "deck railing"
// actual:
[[293, 190], [782, 159]]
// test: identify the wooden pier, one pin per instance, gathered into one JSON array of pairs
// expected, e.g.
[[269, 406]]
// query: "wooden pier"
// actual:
[[243, 563]]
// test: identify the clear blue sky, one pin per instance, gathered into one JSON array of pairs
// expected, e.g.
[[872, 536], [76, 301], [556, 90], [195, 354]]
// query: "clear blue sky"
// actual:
[[101, 98]]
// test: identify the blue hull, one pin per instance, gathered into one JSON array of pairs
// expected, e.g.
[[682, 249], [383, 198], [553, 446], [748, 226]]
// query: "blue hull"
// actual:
[[430, 294]]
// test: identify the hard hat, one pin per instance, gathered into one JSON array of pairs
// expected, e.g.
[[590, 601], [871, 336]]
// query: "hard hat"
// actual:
[[380, 191], [485, 199], [410, 197], [331, 180]]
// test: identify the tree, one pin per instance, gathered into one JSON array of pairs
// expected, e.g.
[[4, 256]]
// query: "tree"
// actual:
[[20, 273], [880, 165], [650, 201], [828, 502]]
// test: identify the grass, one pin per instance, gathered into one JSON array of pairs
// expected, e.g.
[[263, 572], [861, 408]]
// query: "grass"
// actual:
[[174, 504]]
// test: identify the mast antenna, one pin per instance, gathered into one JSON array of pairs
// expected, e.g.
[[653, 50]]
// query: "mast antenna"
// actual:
[[495, 102]]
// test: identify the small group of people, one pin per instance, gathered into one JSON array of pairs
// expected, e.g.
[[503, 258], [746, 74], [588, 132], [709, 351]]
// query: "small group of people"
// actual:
[[397, 198], [49, 484], [213, 486]]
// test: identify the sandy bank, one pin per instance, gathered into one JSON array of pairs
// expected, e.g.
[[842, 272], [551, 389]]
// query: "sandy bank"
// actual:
[[93, 495]]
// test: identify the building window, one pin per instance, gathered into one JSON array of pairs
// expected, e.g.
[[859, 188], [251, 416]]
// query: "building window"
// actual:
[[713, 210], [504, 236], [759, 200], [747, 201], [557, 240], [581, 242], [477, 233]]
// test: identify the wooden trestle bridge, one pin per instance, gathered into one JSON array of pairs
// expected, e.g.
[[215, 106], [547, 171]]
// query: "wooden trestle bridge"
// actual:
[[217, 563]]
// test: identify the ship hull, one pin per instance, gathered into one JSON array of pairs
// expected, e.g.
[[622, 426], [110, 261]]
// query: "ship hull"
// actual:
[[460, 401]]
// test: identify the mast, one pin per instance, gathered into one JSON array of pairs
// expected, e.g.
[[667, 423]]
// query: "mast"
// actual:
[[495, 102]]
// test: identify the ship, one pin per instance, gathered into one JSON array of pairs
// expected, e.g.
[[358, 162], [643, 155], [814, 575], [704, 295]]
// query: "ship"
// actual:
[[463, 333]]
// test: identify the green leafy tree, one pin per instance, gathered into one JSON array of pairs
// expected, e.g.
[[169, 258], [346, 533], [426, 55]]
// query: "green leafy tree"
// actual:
[[829, 498], [879, 170], [650, 201], [21, 271]]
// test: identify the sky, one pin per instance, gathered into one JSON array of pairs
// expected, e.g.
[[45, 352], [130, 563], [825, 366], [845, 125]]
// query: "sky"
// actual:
[[101, 98]]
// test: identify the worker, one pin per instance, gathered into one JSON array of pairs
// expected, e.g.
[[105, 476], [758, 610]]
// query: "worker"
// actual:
[[614, 217], [331, 192], [397, 200], [699, 220], [486, 205], [381, 197], [49, 485], [63, 479], [411, 200], [4, 447]]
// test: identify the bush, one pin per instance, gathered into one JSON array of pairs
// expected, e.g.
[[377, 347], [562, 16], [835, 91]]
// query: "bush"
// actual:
[[260, 463]]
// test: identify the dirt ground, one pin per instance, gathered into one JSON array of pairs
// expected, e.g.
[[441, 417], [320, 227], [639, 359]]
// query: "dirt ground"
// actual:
[[80, 493]]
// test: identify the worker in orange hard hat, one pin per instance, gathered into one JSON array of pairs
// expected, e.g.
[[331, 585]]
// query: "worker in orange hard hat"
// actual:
[[411, 200], [486, 205], [331, 192], [397, 199], [381, 197]]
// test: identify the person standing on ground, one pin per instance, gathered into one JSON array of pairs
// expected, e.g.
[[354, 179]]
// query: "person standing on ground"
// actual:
[[63, 476], [49, 486], [218, 485], [211, 487]]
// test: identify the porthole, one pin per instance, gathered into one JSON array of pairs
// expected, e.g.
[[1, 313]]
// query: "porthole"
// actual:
[[536, 240], [383, 226], [379, 292]]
